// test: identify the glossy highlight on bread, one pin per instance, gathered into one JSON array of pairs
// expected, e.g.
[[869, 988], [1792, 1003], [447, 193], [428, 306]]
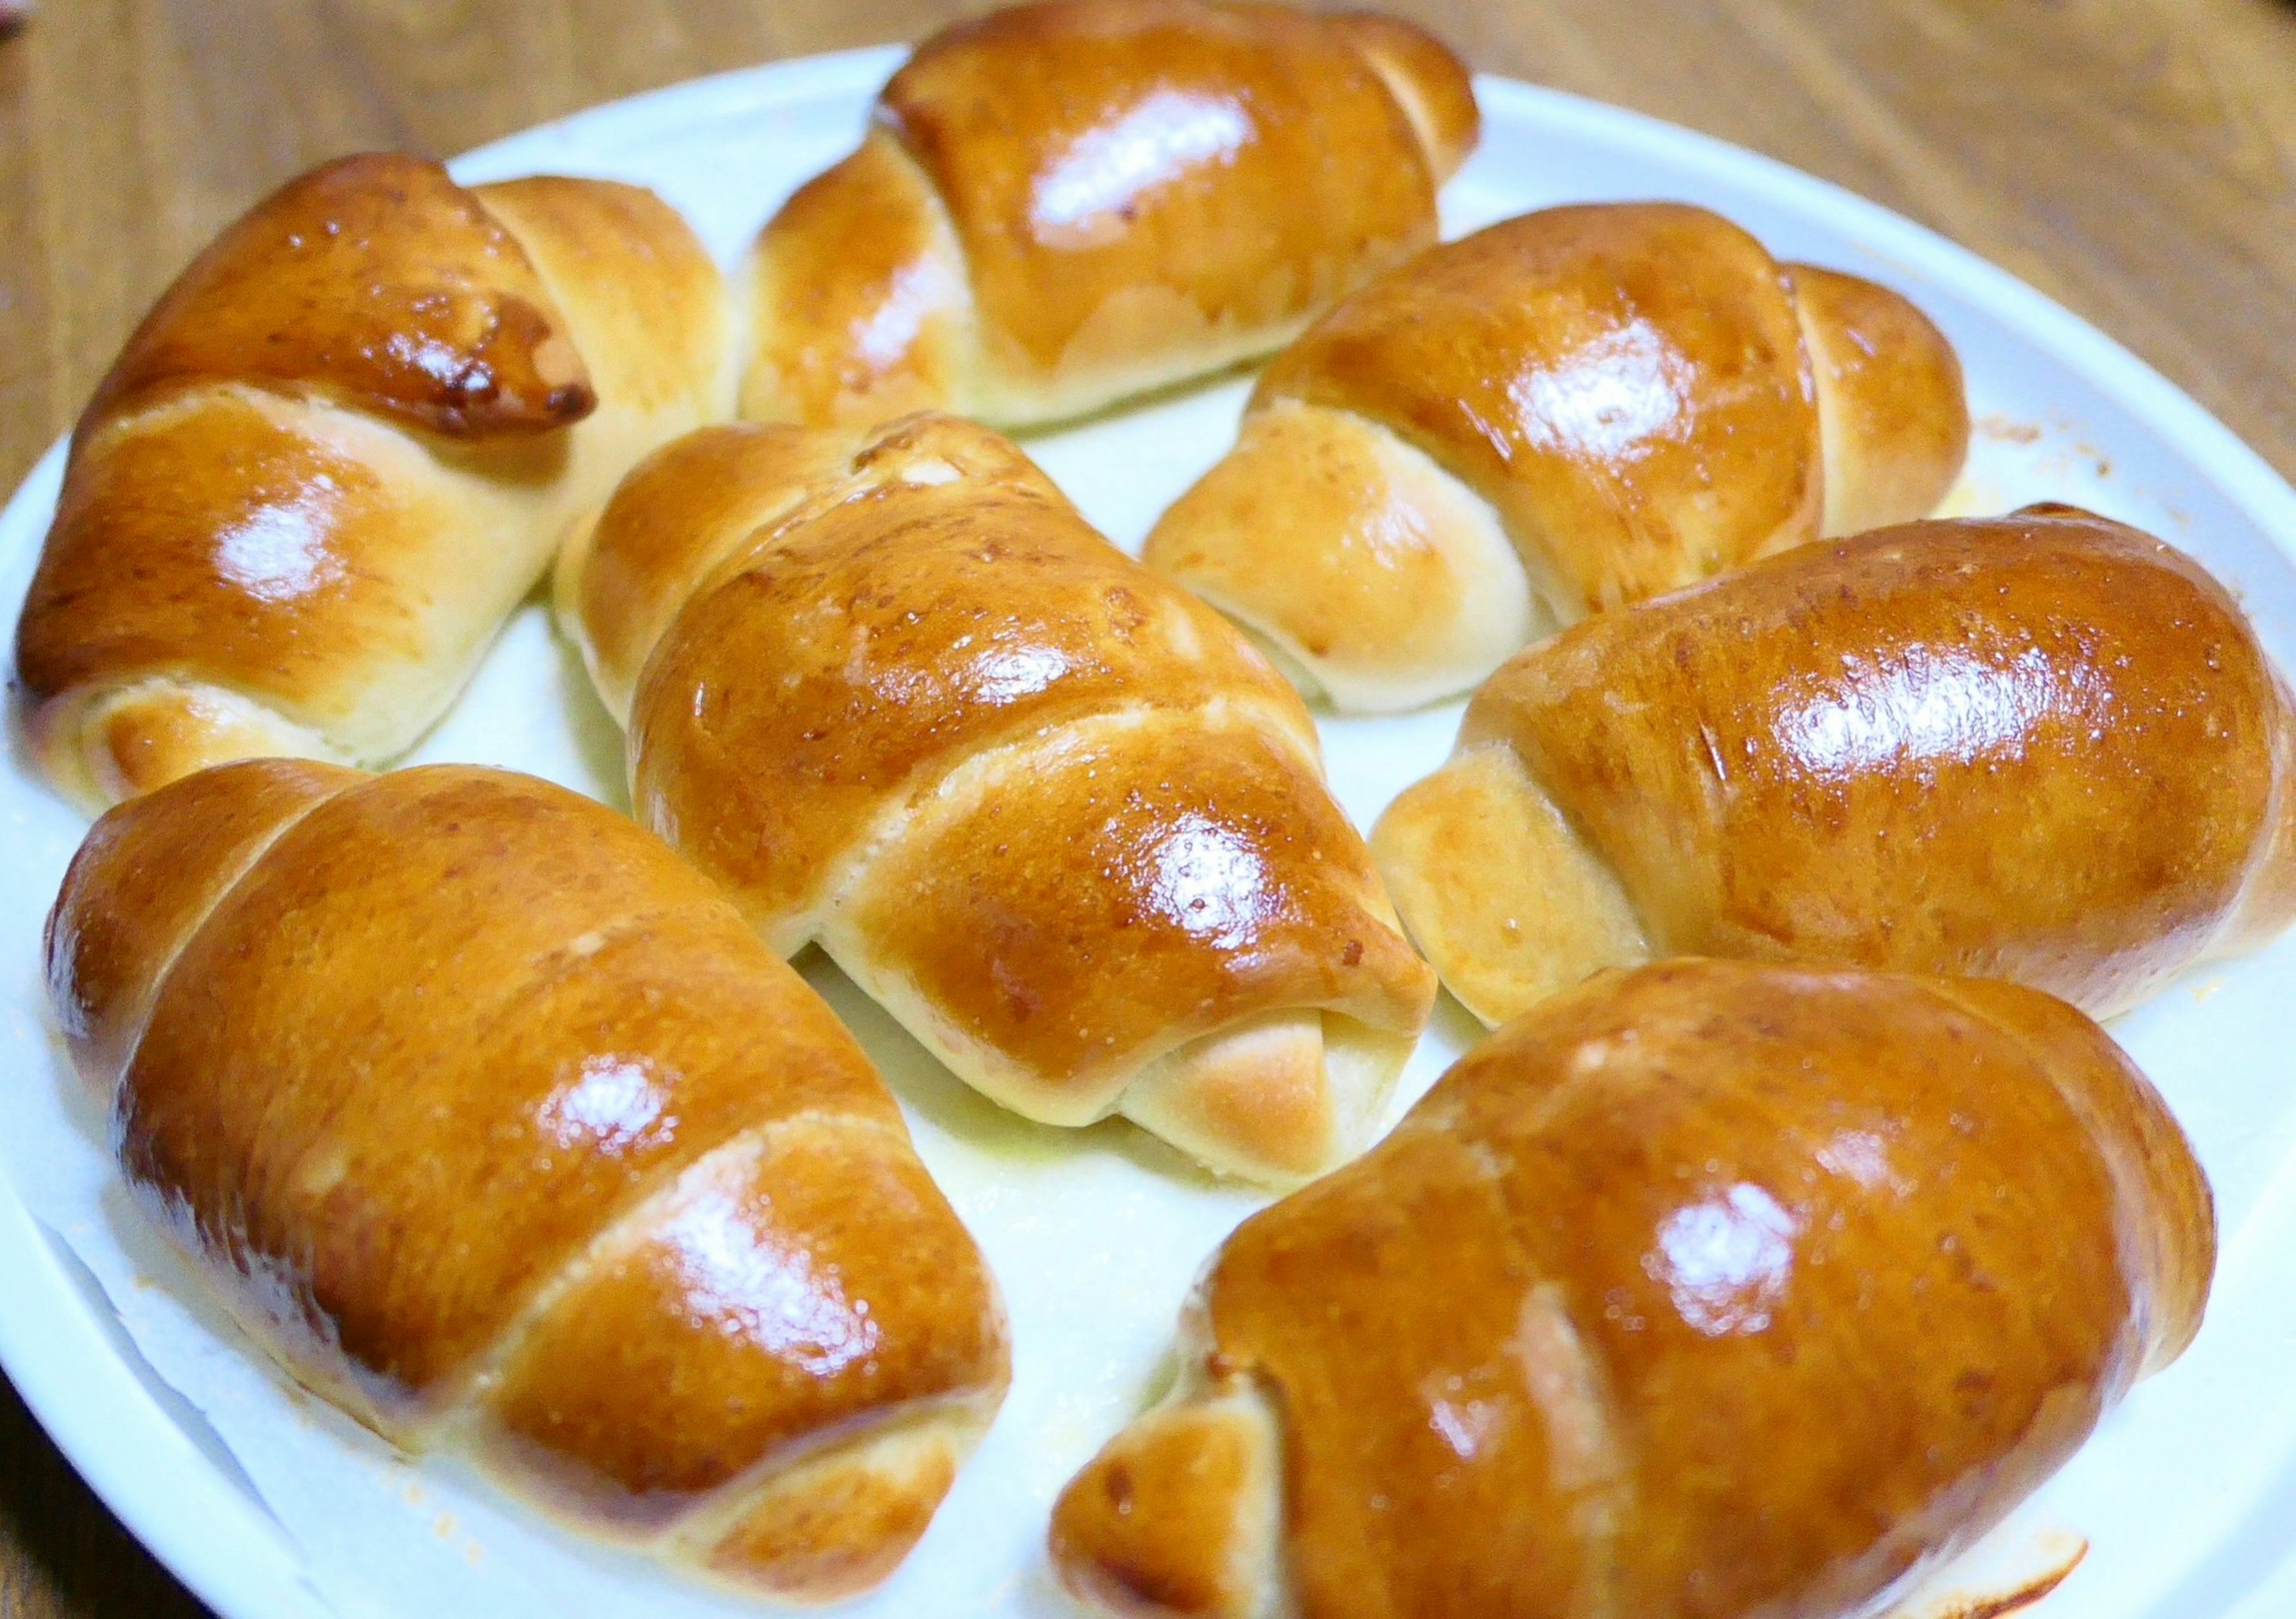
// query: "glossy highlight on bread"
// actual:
[[898, 697], [2045, 748], [336, 454], [1453, 1377], [497, 1126], [1063, 204], [1565, 412]]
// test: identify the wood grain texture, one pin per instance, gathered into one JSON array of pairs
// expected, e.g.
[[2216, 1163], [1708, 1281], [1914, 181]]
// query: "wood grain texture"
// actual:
[[2130, 157]]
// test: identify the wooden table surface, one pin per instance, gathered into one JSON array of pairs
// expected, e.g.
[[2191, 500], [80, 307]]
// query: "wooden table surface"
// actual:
[[2130, 157]]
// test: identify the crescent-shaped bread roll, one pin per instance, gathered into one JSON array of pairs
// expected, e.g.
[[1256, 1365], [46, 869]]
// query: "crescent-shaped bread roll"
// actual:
[[1566, 411], [1709, 1289], [1060, 205], [2045, 748], [498, 1127], [338, 451], [1055, 815]]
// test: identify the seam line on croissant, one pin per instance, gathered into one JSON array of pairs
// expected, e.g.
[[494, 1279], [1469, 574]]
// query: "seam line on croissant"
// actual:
[[943, 779], [865, 475], [460, 1395], [1588, 1463], [1426, 139], [257, 852], [1591, 1465], [1579, 827], [1824, 430], [2134, 1213], [739, 552], [153, 407], [2229, 937], [548, 967], [712, 1518], [949, 245], [545, 970], [1548, 588], [81, 715], [956, 787]]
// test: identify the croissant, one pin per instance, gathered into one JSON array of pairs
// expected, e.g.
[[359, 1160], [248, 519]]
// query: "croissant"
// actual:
[[1055, 815], [1579, 1337], [498, 1127], [338, 451], [1567, 411], [2044, 748], [1063, 204]]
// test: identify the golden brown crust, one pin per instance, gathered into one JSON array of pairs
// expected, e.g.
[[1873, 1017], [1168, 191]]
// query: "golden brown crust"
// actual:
[[1028, 121], [1630, 397], [379, 280], [1202, 1470], [103, 745], [1821, 1191], [679, 513], [129, 901], [465, 1088], [1157, 882], [1431, 85], [211, 540], [2162, 1197], [2044, 748], [2269, 903], [881, 1303], [834, 1525], [1135, 191], [911, 625], [236, 1106], [1893, 412], [272, 540], [860, 301], [1055, 813], [1625, 384], [641, 293]]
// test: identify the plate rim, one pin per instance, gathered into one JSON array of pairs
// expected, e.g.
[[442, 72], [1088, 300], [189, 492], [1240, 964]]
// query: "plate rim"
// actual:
[[200, 1524]]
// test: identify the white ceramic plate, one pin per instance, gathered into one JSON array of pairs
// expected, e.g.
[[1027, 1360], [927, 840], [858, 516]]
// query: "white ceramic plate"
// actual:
[[268, 1506]]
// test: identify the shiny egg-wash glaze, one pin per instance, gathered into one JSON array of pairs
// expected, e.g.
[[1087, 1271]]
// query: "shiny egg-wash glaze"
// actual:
[[338, 451], [1578, 1340], [2045, 748], [1563, 413], [898, 696], [500, 1129], [1060, 205]]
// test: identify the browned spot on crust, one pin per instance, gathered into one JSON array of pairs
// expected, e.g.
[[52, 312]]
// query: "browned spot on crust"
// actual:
[[2016, 1601]]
